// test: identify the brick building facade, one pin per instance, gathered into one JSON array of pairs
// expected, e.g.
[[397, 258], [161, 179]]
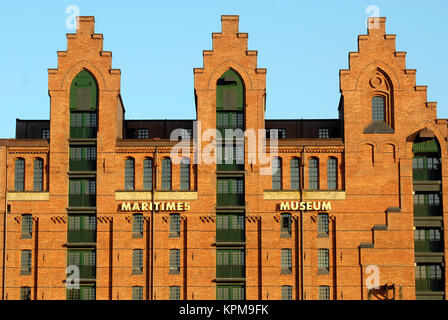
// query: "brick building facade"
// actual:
[[91, 194]]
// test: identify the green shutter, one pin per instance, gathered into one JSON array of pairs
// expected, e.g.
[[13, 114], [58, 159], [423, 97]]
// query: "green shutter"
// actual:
[[425, 146], [230, 92], [83, 87]]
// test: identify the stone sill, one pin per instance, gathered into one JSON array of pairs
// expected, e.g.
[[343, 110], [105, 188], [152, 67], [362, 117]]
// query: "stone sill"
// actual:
[[158, 195], [28, 196], [307, 195]]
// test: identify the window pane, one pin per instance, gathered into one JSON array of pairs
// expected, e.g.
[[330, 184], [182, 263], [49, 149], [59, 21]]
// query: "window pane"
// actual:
[[185, 174], [378, 108], [295, 174], [324, 293], [322, 226], [332, 173], [276, 174], [129, 174], [174, 293], [174, 225], [27, 226], [38, 175], [19, 175], [286, 292], [166, 174], [147, 174], [137, 225], [313, 173], [137, 293]]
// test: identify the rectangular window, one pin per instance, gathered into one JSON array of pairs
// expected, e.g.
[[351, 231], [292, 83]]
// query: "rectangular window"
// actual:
[[276, 174], [129, 174], [322, 225], [137, 225], [174, 225], [229, 292], [332, 176], [295, 173], [166, 174], [286, 292], [45, 134], [324, 293], [25, 293], [19, 181], [38, 175], [174, 293], [137, 293], [285, 225], [27, 226], [313, 174], [286, 261], [174, 261], [25, 265], [186, 133], [323, 261], [137, 261], [185, 174], [147, 174], [277, 133], [143, 133], [378, 104], [324, 133], [85, 292]]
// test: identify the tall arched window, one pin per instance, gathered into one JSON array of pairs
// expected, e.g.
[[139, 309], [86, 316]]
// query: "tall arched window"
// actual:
[[332, 177], [147, 174], [166, 174], [129, 174], [295, 173], [276, 173], [38, 174], [229, 102], [185, 173], [19, 175], [313, 173], [83, 106]]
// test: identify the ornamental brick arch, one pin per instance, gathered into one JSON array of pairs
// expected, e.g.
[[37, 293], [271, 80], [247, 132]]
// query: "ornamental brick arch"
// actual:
[[77, 68], [426, 128], [223, 68]]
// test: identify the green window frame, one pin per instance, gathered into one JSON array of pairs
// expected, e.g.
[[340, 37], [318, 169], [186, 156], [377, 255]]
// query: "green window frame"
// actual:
[[137, 261], [147, 173], [82, 192], [230, 263], [84, 92], [230, 227], [286, 292], [137, 225], [286, 261], [230, 292], [27, 226], [230, 91], [174, 261], [38, 174], [332, 173], [81, 228], [185, 174], [19, 174], [25, 262], [129, 174], [85, 260], [174, 293], [166, 174], [174, 225], [295, 173], [85, 292]]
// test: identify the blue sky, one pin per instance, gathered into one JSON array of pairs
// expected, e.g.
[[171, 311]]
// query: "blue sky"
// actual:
[[156, 44]]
